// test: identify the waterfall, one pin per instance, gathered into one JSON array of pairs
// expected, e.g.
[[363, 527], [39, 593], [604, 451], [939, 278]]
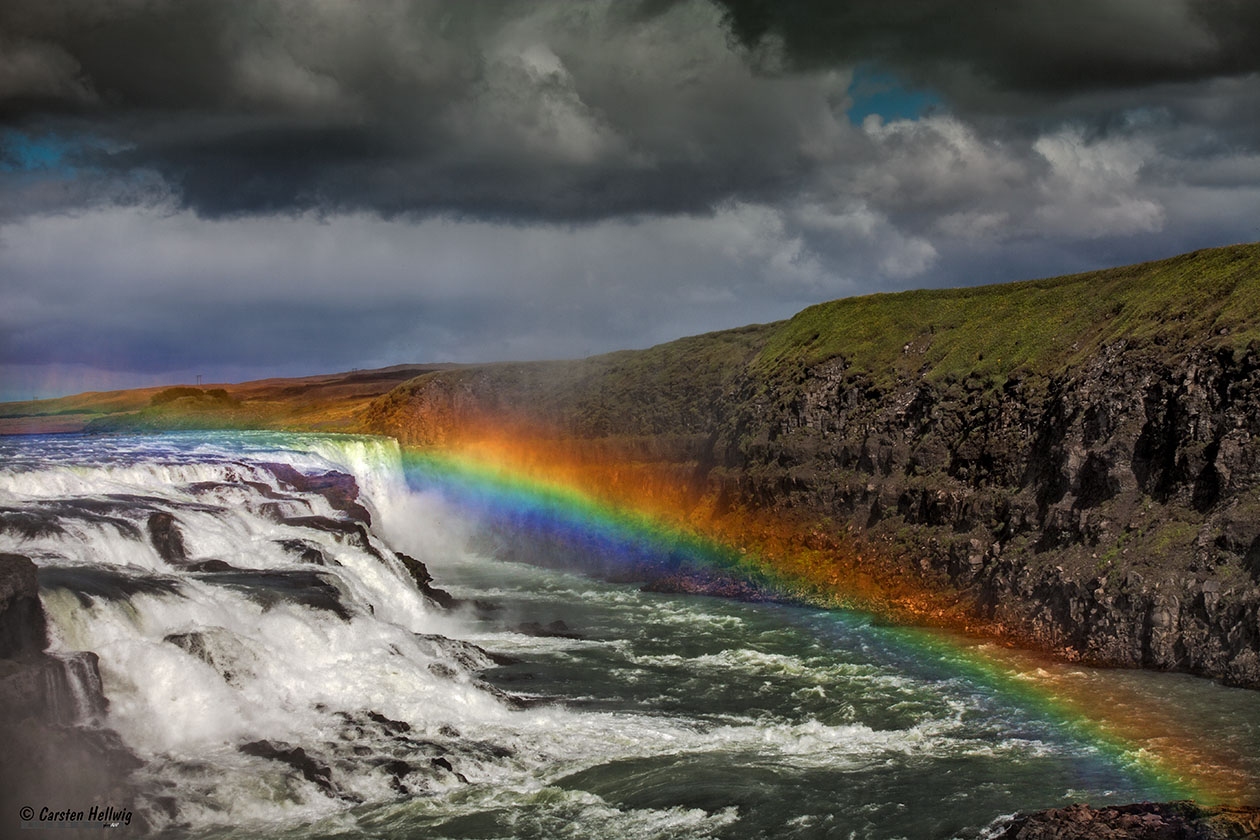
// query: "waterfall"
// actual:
[[264, 650], [73, 689], [240, 643]]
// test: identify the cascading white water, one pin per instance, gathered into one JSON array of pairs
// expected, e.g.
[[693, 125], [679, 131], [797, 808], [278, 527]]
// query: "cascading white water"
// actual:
[[274, 665], [276, 625]]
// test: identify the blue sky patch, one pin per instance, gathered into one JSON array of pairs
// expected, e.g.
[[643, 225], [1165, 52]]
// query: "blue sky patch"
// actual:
[[20, 152], [876, 91]]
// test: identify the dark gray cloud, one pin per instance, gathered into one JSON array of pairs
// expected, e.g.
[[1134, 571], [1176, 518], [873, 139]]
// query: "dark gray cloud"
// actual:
[[552, 110], [296, 185], [1015, 47], [509, 110]]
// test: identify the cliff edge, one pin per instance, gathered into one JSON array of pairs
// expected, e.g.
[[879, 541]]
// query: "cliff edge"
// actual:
[[1075, 459]]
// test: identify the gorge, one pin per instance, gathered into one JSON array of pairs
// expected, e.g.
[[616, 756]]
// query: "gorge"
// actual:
[[964, 481]]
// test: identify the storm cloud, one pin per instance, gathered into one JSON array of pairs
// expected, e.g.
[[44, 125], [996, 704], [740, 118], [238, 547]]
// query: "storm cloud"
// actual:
[[289, 186], [1018, 48]]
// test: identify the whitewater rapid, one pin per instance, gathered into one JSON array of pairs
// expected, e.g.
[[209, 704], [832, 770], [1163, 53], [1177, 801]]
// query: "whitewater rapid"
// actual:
[[245, 605], [273, 626]]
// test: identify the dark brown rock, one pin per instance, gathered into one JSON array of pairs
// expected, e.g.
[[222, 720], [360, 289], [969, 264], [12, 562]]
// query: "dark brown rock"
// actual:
[[392, 726], [29, 524], [344, 530], [340, 489], [50, 710], [269, 587], [63, 764], [424, 581], [1145, 821], [209, 564], [89, 583], [306, 552], [166, 538], [22, 628], [295, 757]]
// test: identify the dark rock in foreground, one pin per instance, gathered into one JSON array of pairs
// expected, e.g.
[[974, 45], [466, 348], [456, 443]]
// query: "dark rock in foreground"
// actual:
[[269, 587], [21, 614], [166, 537], [424, 581], [339, 489], [89, 583], [1146, 821], [50, 707], [295, 757]]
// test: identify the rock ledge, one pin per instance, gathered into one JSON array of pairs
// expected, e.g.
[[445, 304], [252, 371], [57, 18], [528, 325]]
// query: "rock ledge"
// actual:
[[1144, 821]]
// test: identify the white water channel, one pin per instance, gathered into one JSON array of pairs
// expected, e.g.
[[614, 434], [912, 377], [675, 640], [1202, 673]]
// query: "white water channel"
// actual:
[[668, 716]]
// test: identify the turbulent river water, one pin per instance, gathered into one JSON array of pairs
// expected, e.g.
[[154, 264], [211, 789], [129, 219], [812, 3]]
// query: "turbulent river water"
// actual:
[[275, 620]]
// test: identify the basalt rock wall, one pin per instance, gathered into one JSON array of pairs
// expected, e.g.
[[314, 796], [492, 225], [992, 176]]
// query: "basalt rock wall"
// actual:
[[1110, 513], [1072, 461]]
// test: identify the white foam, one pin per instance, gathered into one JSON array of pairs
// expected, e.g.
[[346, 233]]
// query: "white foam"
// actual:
[[294, 674]]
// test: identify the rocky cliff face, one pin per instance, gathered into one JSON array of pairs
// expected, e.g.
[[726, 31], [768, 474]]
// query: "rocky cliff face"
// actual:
[[51, 708], [1110, 513], [1074, 461]]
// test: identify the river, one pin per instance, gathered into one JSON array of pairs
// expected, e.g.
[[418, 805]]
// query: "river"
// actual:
[[638, 715]]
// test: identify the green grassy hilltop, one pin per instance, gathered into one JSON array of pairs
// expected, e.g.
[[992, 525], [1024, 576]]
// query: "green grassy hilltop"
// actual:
[[1207, 300]]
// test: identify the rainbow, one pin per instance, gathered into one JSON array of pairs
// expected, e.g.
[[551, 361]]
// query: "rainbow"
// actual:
[[628, 516]]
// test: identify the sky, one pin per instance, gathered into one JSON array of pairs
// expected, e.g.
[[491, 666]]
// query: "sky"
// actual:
[[284, 187]]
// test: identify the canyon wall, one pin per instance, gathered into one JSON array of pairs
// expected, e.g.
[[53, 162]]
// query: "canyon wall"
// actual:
[[1110, 513], [1075, 460]]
